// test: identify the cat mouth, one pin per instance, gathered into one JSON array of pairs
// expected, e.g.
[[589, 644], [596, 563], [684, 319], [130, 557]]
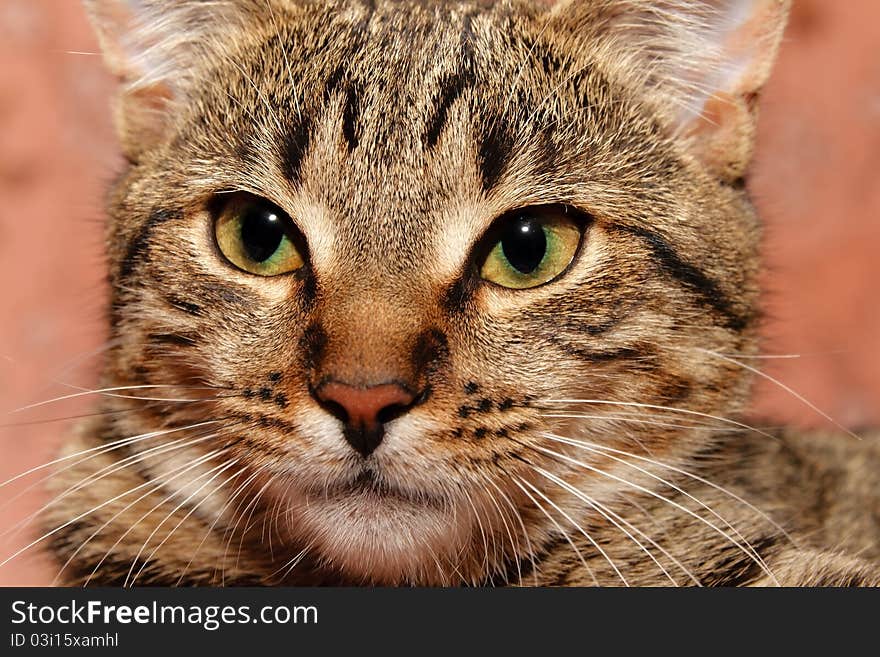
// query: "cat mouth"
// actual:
[[369, 486], [368, 529]]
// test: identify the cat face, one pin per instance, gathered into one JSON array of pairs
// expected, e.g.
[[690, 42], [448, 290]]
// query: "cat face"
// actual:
[[410, 260]]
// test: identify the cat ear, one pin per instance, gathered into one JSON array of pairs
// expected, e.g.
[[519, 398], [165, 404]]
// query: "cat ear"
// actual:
[[152, 47], [703, 61]]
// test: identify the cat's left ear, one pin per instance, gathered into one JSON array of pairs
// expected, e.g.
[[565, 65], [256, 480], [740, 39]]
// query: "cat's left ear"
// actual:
[[702, 61], [153, 48]]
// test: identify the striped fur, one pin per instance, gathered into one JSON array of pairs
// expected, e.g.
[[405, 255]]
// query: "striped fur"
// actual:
[[394, 133]]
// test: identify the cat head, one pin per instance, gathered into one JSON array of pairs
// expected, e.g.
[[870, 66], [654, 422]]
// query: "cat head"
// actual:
[[423, 263]]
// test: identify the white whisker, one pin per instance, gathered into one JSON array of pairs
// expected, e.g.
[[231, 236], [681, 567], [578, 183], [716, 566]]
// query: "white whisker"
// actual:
[[559, 528], [691, 475], [684, 411], [221, 469], [797, 396], [104, 448], [226, 505], [159, 482], [486, 563], [110, 392], [514, 544], [525, 533], [107, 470], [616, 519], [647, 491], [73, 520]]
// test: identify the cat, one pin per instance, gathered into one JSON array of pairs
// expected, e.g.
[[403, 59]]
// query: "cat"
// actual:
[[443, 293]]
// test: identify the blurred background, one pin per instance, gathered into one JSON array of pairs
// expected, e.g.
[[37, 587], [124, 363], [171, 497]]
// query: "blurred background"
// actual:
[[816, 180]]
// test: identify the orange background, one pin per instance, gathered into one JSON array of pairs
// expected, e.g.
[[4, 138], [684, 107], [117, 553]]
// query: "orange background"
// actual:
[[815, 180]]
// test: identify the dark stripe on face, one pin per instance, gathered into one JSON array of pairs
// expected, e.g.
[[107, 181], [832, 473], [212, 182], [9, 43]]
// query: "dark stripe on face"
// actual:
[[351, 114], [352, 108], [140, 243], [431, 350], [225, 293], [602, 322], [312, 346], [177, 339], [294, 149], [185, 306], [222, 297], [451, 89], [495, 149], [309, 291], [675, 390], [638, 356], [689, 276], [460, 292], [466, 39], [333, 82]]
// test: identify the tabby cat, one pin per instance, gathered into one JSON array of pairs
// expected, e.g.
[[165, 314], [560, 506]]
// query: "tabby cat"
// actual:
[[443, 293]]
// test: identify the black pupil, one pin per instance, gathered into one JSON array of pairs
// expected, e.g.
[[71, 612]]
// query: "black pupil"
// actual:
[[524, 244], [262, 230]]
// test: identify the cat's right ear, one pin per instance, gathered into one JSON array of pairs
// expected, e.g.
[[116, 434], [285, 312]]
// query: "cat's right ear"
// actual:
[[151, 46], [701, 63]]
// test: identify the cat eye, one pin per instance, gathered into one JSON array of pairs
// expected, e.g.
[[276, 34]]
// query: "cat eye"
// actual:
[[532, 246], [258, 237]]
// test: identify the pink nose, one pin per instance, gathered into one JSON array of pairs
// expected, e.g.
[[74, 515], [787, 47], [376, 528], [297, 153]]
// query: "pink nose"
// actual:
[[364, 411]]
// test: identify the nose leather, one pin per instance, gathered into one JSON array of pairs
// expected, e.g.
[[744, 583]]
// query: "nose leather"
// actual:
[[364, 410]]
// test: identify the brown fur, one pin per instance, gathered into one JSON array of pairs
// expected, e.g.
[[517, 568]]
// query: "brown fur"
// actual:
[[395, 133]]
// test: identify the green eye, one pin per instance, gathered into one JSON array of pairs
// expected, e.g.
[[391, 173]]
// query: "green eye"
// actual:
[[533, 247], [257, 236]]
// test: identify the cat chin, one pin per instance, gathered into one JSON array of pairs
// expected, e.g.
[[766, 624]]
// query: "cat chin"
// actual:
[[383, 539]]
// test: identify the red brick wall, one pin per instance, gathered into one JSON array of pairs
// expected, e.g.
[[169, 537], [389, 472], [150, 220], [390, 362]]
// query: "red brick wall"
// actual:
[[816, 181]]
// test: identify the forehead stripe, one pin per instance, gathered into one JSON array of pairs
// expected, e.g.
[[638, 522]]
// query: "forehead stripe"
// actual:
[[451, 89], [495, 150], [351, 114], [295, 147]]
